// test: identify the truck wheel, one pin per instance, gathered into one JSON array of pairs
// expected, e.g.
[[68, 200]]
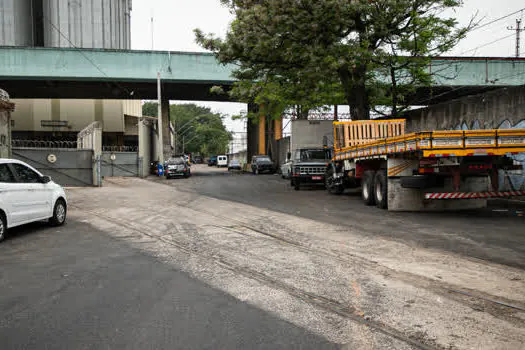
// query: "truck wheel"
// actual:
[[329, 180], [367, 188], [296, 185], [381, 190]]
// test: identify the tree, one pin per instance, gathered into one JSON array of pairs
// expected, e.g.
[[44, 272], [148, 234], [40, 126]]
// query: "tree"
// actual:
[[315, 47], [201, 130]]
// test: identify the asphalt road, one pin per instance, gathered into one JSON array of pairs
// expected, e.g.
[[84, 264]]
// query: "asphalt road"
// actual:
[[496, 234], [78, 288]]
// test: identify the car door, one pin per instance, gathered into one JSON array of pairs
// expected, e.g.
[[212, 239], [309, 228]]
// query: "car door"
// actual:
[[37, 198], [9, 194]]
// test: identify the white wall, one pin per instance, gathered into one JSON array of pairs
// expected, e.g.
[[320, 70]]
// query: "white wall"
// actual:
[[79, 113]]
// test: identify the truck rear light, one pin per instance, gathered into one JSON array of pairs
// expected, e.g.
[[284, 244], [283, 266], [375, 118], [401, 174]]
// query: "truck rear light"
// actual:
[[427, 170]]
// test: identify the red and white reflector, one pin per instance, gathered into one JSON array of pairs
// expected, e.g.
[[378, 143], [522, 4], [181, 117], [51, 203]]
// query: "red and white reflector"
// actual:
[[473, 195]]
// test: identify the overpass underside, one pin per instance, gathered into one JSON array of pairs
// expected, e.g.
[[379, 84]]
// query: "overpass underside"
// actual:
[[121, 90]]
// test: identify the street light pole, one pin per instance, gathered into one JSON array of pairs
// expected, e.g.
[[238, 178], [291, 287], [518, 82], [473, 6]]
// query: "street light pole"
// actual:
[[160, 147]]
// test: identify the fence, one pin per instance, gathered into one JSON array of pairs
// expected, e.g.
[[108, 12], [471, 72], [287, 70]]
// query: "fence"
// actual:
[[44, 144], [355, 133], [120, 149]]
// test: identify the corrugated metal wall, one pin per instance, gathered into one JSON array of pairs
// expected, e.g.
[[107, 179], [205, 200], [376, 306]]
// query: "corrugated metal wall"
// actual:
[[16, 25], [87, 23]]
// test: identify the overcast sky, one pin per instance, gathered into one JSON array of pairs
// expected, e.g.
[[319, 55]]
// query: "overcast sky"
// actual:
[[174, 21]]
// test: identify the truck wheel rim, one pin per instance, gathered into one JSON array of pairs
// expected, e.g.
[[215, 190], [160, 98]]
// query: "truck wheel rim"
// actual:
[[379, 193], [2, 229], [365, 191]]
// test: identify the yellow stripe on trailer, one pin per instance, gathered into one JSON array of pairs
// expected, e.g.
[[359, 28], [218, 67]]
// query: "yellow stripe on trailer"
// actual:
[[441, 143]]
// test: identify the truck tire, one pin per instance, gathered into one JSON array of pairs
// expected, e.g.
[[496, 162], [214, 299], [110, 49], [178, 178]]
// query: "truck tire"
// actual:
[[296, 184], [328, 182], [381, 190], [367, 188]]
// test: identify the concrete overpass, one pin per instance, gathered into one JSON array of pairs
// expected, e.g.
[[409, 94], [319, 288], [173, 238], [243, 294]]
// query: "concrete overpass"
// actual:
[[131, 74]]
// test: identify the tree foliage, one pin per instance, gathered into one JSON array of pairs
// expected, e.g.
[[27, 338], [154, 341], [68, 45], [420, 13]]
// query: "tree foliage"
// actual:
[[201, 130], [313, 52]]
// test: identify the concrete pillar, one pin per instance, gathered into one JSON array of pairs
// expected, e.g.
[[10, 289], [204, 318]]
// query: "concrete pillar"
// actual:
[[278, 128], [145, 145], [6, 108], [262, 134], [166, 133]]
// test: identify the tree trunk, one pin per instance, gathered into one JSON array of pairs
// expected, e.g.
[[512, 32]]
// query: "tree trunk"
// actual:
[[355, 91], [394, 112]]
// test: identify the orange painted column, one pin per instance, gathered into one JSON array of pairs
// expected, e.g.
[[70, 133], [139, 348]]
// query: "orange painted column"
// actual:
[[262, 134], [278, 128]]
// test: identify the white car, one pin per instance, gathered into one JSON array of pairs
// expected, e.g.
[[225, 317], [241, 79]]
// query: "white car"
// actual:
[[222, 161], [26, 196], [286, 170]]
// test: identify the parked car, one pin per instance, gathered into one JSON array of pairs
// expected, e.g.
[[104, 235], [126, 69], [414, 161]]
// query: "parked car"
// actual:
[[234, 165], [222, 161], [27, 196], [212, 161], [177, 166], [286, 170], [197, 160], [263, 164]]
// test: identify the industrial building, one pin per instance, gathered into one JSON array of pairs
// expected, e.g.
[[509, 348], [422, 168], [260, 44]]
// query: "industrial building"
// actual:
[[101, 24]]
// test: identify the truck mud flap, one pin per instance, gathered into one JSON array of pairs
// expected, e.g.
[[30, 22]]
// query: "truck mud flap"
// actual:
[[417, 181]]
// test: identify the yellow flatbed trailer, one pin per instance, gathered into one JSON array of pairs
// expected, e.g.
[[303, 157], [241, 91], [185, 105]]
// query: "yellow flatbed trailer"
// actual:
[[382, 159]]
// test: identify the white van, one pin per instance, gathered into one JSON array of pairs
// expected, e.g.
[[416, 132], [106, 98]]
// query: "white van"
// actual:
[[222, 161]]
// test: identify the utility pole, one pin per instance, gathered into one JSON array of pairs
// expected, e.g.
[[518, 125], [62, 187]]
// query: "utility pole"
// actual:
[[152, 46], [160, 146], [518, 30]]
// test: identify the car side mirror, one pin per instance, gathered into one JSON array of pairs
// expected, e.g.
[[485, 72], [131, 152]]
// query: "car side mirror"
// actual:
[[45, 179]]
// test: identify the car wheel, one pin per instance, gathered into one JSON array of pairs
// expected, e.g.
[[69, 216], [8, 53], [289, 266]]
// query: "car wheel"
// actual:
[[3, 227], [59, 213]]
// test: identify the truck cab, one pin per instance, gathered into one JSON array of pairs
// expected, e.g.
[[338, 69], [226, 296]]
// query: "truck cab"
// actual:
[[309, 166]]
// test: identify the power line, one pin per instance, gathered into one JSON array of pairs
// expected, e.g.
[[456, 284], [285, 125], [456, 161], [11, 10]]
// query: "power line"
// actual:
[[487, 44], [497, 19]]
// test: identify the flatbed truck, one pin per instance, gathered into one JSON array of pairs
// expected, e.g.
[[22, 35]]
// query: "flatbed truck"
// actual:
[[418, 171]]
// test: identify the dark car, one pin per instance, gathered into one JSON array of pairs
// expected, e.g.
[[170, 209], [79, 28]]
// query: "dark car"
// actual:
[[263, 164], [197, 160], [212, 161], [177, 167]]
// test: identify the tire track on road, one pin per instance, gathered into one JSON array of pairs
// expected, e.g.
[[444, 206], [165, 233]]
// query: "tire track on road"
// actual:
[[324, 303]]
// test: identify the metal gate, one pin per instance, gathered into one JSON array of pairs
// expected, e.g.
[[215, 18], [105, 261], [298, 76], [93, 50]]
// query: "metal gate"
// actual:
[[67, 167], [120, 164]]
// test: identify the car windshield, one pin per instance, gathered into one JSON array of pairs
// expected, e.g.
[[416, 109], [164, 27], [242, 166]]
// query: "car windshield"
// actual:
[[176, 161], [263, 160], [314, 154]]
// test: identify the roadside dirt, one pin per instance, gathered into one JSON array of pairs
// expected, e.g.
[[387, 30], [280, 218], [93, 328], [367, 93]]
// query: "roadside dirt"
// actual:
[[366, 293]]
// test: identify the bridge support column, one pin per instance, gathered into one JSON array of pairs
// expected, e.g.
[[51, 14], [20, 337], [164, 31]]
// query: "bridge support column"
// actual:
[[262, 134]]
